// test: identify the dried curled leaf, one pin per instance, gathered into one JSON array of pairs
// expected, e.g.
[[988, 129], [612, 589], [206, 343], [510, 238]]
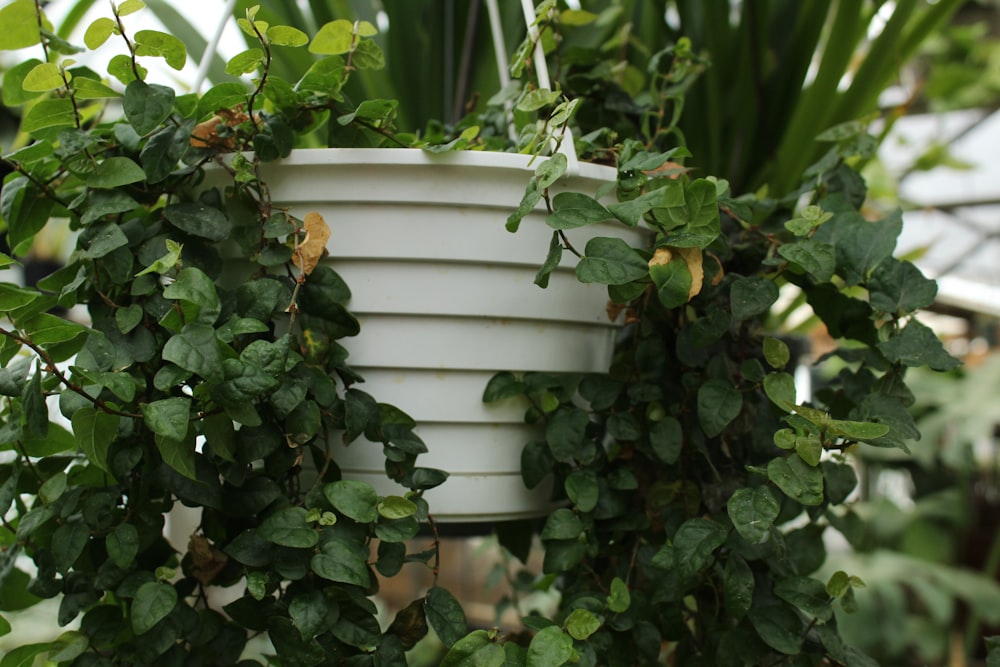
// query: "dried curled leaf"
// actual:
[[206, 560], [313, 246], [206, 133]]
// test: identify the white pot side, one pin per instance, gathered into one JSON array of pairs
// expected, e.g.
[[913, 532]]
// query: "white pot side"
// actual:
[[446, 298]]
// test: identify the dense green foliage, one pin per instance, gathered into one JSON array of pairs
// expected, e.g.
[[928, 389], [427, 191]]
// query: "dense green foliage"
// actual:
[[696, 481]]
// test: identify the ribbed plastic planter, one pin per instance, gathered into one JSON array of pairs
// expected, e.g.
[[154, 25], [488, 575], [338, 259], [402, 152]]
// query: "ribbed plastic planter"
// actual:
[[445, 297]]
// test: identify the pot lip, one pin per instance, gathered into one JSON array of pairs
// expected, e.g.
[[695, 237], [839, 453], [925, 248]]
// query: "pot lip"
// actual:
[[418, 156]]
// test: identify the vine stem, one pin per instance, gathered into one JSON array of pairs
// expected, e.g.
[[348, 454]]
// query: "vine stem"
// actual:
[[50, 366], [437, 548]]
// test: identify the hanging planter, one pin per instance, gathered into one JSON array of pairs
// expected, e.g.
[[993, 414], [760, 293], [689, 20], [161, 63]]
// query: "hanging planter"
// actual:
[[446, 298]]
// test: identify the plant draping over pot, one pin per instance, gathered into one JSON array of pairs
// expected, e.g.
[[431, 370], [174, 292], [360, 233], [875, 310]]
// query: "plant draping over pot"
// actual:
[[209, 382]]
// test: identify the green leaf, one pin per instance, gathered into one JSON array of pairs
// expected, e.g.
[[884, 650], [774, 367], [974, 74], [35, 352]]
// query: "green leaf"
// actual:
[[122, 544], [396, 507], [36, 414], [333, 38], [673, 282], [532, 195], [68, 542], [695, 223], [550, 647], [583, 489], [168, 417], [619, 600], [245, 62], [99, 31], [199, 220], [167, 262], [810, 448], [780, 388], [103, 239], [573, 209], [538, 98], [445, 615], [797, 479], [196, 349], [753, 512], [47, 114], [565, 433], [20, 23], [360, 409], [289, 528], [503, 385], [12, 297], [89, 89], [581, 624], [807, 594], [861, 244], [43, 78], [477, 649], [917, 345], [4, 626], [196, 288], [610, 261], [130, 7], [146, 106], [814, 257], [738, 584], [354, 499], [562, 524], [695, 543], [551, 170], [853, 430], [719, 402], [552, 260], [309, 612], [776, 352], [666, 437], [95, 430], [283, 35], [900, 288], [749, 297], [161, 45], [69, 646], [778, 626], [115, 172], [178, 454], [153, 601], [342, 561]]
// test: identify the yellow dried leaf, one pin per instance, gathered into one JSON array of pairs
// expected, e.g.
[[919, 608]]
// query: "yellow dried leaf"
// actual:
[[661, 257], [693, 258], [313, 246]]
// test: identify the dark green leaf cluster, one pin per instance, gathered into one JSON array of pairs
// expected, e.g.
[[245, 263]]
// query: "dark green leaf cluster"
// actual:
[[207, 374], [696, 479]]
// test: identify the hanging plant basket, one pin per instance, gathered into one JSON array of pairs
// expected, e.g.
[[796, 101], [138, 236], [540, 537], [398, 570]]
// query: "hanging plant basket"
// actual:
[[446, 298]]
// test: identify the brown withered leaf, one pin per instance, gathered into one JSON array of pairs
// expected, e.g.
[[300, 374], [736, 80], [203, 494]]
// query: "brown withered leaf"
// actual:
[[668, 169], [206, 133], [206, 560], [720, 274], [313, 246], [410, 624], [613, 310]]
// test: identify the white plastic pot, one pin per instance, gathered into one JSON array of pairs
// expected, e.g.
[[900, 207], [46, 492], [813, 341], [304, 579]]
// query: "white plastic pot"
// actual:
[[445, 297]]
